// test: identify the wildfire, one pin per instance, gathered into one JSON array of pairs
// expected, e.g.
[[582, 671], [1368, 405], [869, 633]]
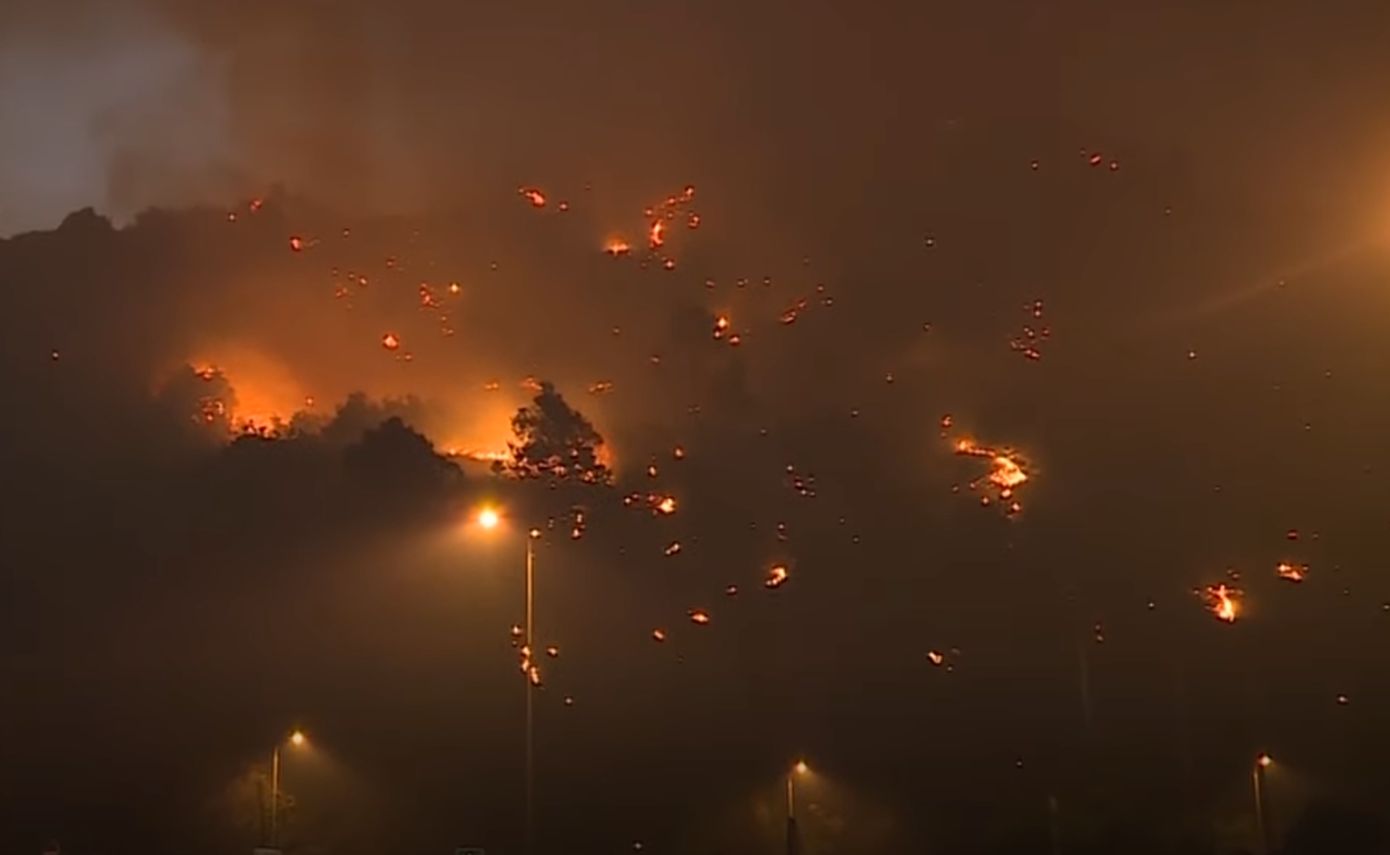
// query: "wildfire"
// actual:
[[482, 456], [1007, 472], [1291, 572], [776, 577], [1223, 601]]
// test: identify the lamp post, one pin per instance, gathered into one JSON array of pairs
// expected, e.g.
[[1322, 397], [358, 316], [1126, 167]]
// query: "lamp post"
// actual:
[[296, 739], [489, 518], [793, 840], [1257, 777]]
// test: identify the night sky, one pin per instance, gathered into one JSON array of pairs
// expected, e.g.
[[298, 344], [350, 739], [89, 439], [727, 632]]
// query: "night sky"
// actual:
[[276, 277]]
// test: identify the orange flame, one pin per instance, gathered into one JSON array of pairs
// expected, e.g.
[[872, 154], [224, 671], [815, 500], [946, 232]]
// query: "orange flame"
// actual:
[[776, 577], [1291, 572], [1223, 601]]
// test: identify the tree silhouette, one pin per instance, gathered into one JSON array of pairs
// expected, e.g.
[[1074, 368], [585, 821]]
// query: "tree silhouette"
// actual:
[[556, 441]]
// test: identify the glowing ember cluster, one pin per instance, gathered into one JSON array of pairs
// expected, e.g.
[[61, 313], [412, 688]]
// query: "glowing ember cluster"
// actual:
[[1008, 472], [1291, 572], [1223, 601], [801, 483], [1030, 339]]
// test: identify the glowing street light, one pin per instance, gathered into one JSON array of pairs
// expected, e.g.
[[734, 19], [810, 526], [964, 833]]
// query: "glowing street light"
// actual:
[[490, 519], [1257, 775], [298, 740], [798, 769]]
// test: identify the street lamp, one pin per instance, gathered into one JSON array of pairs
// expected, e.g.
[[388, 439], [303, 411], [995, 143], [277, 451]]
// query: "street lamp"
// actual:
[[793, 840], [489, 518], [1257, 775], [298, 740], [799, 768]]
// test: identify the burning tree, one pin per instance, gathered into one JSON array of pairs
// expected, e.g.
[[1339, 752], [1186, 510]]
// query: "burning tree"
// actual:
[[554, 439]]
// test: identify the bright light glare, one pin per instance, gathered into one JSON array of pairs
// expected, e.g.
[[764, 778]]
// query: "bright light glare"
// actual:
[[1264, 760], [801, 768], [488, 518], [297, 738]]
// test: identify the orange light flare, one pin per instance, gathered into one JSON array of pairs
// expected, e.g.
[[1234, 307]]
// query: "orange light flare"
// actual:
[[673, 549], [1223, 601], [1291, 572], [935, 658], [534, 196], [600, 387], [617, 247], [666, 505], [699, 617], [776, 577], [656, 234], [391, 341], [658, 635]]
